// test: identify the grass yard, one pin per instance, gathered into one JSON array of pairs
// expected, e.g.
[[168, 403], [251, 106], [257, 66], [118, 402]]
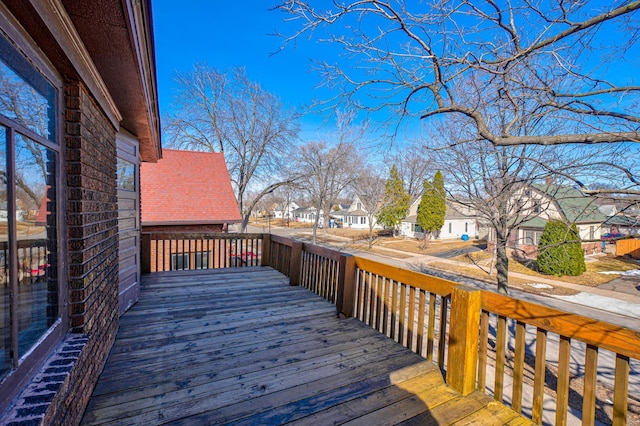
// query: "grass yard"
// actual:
[[591, 277], [519, 283], [432, 247]]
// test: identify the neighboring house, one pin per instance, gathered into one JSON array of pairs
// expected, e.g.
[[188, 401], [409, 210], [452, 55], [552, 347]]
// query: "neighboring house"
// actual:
[[80, 76], [354, 216], [549, 201], [306, 214], [187, 191], [459, 220], [284, 210], [623, 219]]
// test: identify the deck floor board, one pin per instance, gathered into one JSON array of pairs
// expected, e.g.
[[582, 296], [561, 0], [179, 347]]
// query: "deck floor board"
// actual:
[[241, 346]]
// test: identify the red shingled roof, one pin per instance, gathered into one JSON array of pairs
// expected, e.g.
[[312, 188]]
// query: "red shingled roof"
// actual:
[[187, 187]]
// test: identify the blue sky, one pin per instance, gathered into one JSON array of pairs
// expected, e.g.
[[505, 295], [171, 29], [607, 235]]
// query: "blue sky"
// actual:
[[228, 34]]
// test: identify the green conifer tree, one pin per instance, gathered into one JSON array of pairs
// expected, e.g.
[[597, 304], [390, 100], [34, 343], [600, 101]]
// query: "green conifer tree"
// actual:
[[560, 251], [396, 201], [432, 207]]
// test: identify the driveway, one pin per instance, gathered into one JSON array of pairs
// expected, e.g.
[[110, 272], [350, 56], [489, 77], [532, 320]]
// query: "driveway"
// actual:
[[628, 284]]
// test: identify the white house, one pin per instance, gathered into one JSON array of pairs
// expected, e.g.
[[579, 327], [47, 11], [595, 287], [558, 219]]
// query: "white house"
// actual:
[[355, 216], [284, 210], [306, 214], [459, 220]]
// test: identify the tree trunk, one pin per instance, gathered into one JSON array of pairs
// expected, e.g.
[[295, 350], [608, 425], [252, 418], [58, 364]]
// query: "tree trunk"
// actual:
[[245, 223], [493, 259], [502, 264], [370, 234]]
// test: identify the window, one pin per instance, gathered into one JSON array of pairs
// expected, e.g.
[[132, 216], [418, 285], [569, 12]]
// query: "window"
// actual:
[[450, 227], [202, 260], [536, 207], [363, 220], [532, 238], [179, 261], [126, 175], [466, 227], [592, 232], [30, 291], [417, 228]]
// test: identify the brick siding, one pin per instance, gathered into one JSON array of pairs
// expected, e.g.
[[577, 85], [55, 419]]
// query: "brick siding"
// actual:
[[92, 220]]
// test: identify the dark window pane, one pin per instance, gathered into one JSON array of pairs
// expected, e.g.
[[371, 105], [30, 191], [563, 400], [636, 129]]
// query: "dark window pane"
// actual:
[[36, 235]]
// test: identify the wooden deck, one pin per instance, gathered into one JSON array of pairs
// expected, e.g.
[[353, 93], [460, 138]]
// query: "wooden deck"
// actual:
[[241, 346]]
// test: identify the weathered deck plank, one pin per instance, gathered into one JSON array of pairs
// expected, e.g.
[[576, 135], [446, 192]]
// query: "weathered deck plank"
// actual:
[[243, 347]]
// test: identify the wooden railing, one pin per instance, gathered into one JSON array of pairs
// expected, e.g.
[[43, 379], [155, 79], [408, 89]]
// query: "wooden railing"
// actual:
[[590, 339], [473, 335], [189, 251]]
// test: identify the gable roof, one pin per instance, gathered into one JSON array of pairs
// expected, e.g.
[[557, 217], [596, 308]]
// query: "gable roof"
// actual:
[[187, 187], [573, 204]]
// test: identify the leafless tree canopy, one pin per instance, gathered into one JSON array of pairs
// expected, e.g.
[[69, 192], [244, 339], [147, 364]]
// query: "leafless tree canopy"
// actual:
[[325, 173], [566, 64], [228, 113], [369, 188]]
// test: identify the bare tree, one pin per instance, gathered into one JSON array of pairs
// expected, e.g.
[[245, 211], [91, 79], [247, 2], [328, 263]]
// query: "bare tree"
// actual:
[[326, 172], [228, 113], [414, 167], [567, 65], [370, 190], [490, 181]]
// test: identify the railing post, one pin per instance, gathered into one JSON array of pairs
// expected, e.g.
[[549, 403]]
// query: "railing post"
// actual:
[[265, 260], [145, 253], [295, 263], [346, 284], [464, 331]]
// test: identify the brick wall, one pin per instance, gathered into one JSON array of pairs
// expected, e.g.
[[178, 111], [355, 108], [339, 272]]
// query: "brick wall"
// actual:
[[92, 232]]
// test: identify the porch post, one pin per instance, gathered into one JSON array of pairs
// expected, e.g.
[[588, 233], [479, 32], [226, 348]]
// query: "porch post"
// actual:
[[145, 253], [295, 263], [464, 332], [346, 284], [265, 260]]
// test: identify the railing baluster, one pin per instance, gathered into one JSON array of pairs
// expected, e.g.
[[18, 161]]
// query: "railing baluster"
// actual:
[[562, 393], [500, 357], [421, 314], [518, 367], [385, 304], [442, 335], [379, 297], [402, 324], [589, 390], [370, 299], [539, 377], [412, 309], [431, 332], [621, 390], [482, 351], [394, 309]]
